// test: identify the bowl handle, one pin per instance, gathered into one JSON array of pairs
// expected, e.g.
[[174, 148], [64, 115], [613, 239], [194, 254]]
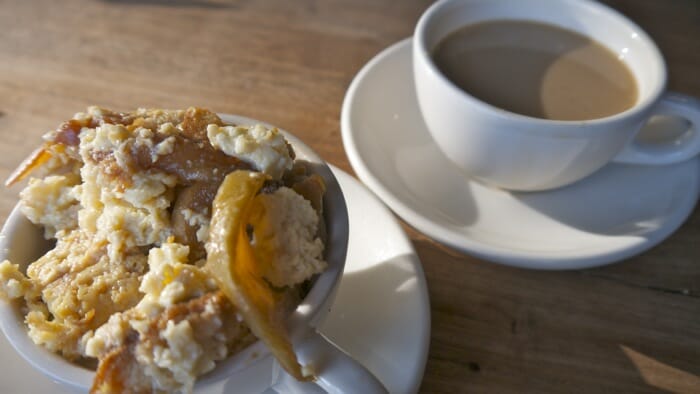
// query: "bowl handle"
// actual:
[[336, 371]]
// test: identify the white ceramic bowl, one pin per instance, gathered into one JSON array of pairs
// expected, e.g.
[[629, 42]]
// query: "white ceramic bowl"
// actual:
[[22, 242]]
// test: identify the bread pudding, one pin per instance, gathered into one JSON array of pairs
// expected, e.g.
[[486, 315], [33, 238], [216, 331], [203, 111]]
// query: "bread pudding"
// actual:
[[140, 281]]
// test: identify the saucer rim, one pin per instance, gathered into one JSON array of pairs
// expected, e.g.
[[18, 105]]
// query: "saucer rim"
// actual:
[[542, 260]]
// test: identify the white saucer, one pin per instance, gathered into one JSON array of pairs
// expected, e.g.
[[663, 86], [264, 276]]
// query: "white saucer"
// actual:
[[618, 212], [381, 314]]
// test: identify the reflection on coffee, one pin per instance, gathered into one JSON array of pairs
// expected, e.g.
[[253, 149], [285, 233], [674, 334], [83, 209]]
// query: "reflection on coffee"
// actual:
[[537, 70]]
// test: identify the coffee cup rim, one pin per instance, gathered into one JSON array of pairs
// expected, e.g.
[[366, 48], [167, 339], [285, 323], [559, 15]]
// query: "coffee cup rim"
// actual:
[[641, 106]]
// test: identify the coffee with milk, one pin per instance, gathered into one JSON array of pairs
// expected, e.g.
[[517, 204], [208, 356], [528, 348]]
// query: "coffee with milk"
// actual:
[[536, 69]]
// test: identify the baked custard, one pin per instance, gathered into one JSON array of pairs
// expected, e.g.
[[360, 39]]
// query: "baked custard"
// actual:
[[179, 241]]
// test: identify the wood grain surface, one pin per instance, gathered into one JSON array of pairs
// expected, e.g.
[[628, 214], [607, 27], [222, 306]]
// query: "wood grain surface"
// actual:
[[632, 327]]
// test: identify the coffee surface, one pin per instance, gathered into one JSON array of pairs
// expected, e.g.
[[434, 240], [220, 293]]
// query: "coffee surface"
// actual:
[[537, 70]]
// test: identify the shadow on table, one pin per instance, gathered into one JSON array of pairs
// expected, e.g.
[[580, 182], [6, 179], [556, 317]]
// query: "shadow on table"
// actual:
[[502, 329]]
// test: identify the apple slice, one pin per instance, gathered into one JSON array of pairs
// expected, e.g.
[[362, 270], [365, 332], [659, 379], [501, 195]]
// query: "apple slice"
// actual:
[[232, 262]]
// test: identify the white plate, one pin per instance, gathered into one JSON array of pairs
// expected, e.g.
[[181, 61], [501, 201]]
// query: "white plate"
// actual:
[[616, 213], [381, 314]]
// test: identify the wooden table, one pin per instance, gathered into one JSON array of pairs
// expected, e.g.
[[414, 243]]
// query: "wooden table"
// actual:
[[629, 327]]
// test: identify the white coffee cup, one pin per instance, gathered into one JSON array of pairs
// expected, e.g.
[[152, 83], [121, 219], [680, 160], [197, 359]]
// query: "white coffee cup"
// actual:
[[518, 152]]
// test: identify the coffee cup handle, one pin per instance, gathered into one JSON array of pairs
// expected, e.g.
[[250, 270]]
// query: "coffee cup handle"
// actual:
[[675, 150], [336, 371]]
